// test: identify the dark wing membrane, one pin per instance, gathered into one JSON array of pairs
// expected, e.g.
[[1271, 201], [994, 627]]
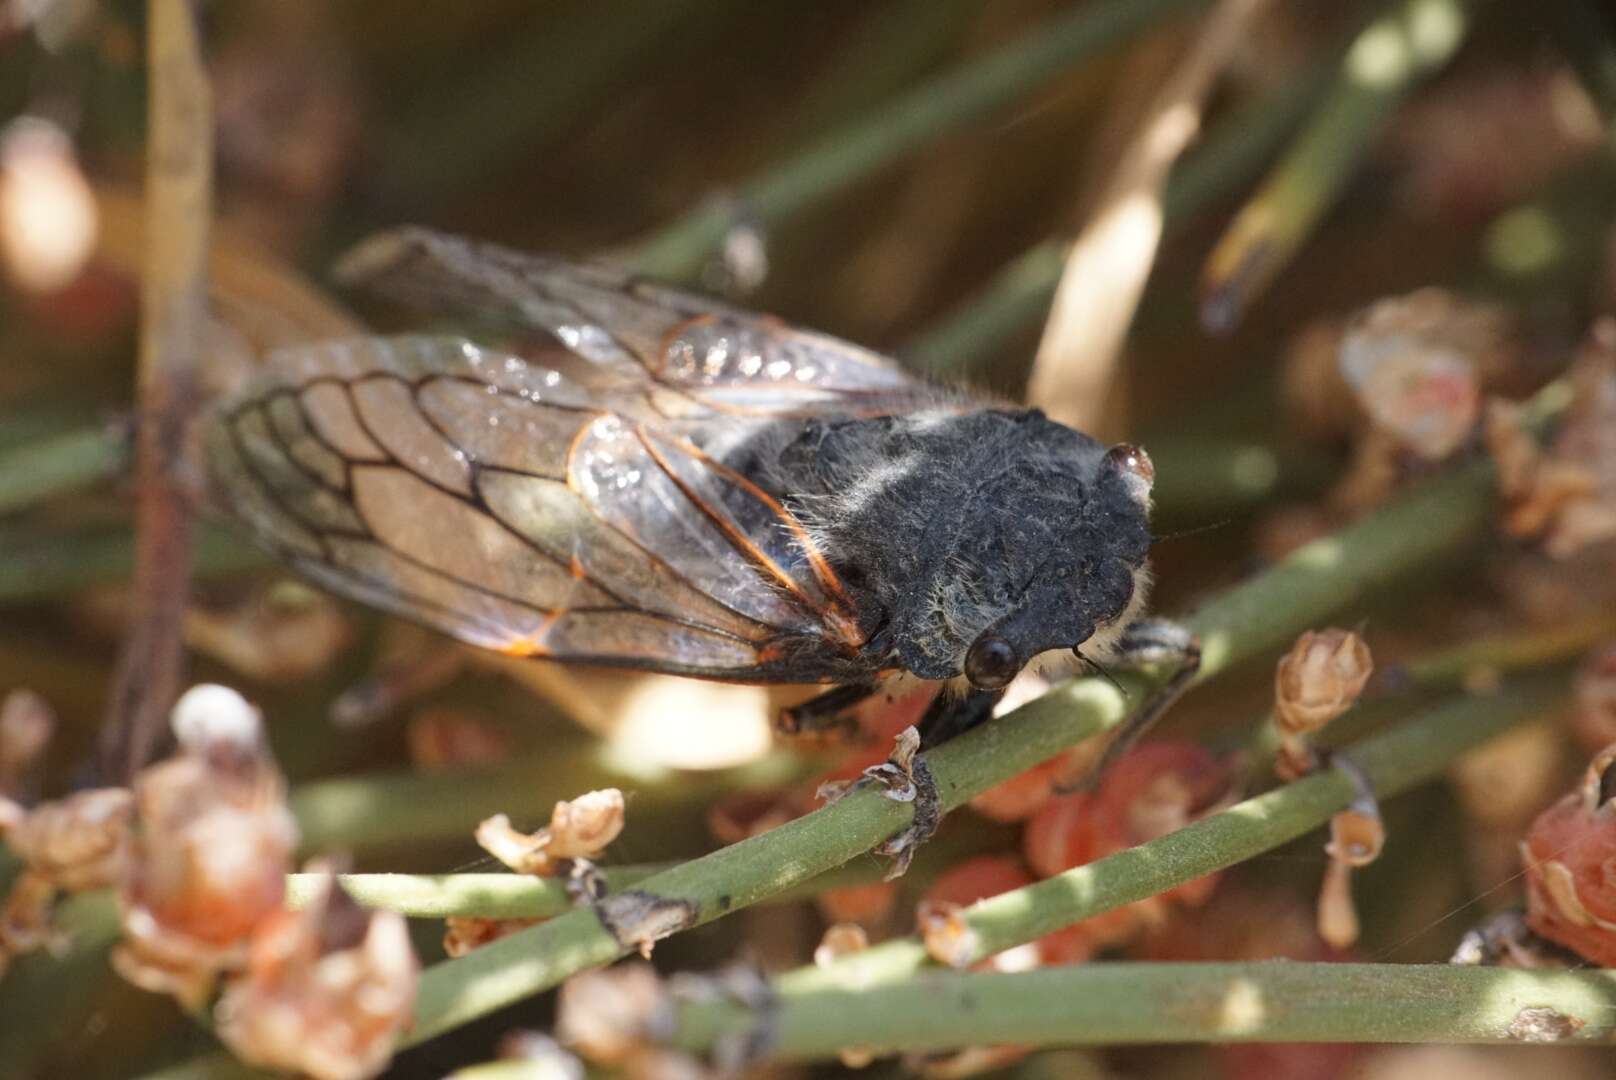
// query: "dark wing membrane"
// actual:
[[713, 355], [515, 507]]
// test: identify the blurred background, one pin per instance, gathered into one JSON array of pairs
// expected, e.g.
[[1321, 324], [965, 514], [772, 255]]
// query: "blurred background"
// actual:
[[1428, 186]]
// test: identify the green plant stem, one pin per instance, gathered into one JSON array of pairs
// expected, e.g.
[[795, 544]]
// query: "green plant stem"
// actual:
[[1020, 293], [1412, 754], [1092, 1004], [61, 464], [1428, 523], [40, 565], [847, 154], [517, 896], [1384, 63]]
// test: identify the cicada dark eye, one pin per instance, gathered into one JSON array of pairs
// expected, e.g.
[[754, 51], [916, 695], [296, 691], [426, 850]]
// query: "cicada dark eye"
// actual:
[[1137, 470], [991, 662]]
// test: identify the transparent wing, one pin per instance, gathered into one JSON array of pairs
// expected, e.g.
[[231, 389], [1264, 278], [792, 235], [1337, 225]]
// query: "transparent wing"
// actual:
[[506, 502], [721, 357]]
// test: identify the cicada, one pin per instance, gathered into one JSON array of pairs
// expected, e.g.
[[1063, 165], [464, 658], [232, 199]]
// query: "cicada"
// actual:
[[621, 473]]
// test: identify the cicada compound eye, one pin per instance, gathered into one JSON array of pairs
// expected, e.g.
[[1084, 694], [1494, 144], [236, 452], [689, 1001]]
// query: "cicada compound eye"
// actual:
[[1137, 470], [991, 662]]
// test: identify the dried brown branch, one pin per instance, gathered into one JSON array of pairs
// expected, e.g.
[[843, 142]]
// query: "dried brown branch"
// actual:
[[1107, 266], [179, 188]]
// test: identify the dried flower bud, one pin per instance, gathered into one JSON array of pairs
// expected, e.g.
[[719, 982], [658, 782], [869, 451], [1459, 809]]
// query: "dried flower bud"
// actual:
[[78, 843], [842, 939], [327, 991], [949, 939], [445, 737], [1567, 853], [1417, 362], [1594, 712], [1567, 494], [579, 829], [1319, 679], [26, 726], [610, 1014], [463, 933], [215, 845]]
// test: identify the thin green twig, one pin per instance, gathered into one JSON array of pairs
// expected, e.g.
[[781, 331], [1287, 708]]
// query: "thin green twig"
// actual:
[[61, 464], [1092, 1004], [845, 155], [1384, 63]]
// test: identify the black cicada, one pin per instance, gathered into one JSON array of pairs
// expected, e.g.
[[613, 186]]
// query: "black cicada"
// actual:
[[637, 476]]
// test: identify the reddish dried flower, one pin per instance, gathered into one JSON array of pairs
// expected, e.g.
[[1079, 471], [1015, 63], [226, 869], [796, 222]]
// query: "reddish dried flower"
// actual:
[[1568, 854], [215, 846], [578, 829], [1150, 791], [865, 904], [327, 991], [1319, 679], [737, 816]]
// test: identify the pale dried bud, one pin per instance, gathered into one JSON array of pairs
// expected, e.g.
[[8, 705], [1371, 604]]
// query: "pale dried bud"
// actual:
[[1356, 838], [26, 725], [579, 829], [843, 939], [1319, 679], [1416, 364], [948, 938], [1357, 835], [611, 1014], [463, 933], [327, 992], [214, 849], [78, 843], [48, 219], [219, 725]]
